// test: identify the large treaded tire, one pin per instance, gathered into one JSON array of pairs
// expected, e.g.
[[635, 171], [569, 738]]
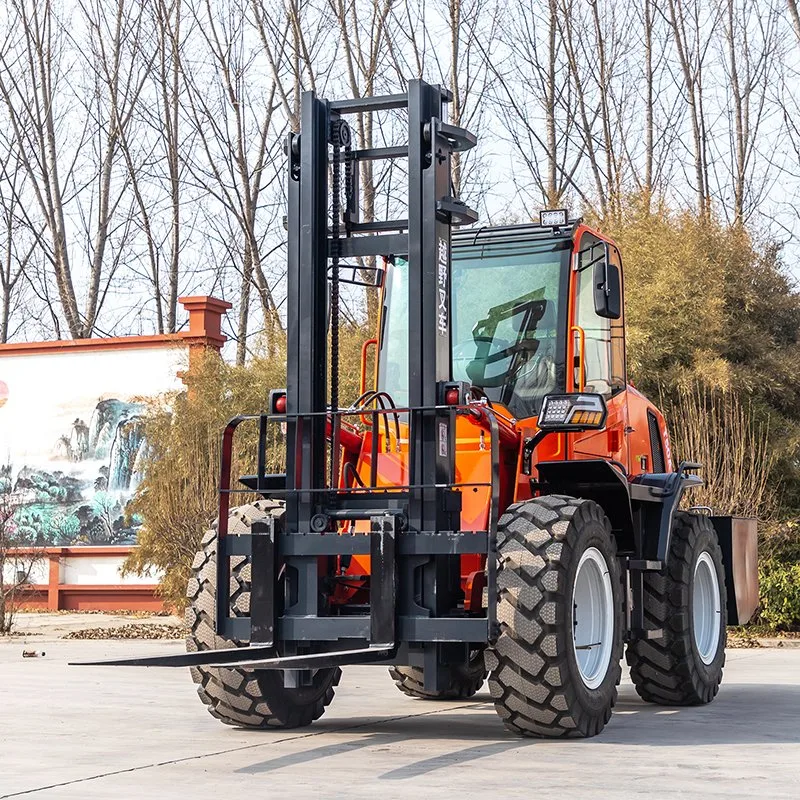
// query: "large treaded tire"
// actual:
[[465, 680], [669, 671], [245, 697], [535, 680]]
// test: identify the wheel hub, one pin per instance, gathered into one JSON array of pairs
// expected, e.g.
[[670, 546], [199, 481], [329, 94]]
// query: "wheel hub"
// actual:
[[593, 618], [706, 610]]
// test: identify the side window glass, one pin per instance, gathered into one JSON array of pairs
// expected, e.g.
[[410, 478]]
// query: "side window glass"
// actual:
[[618, 372], [597, 361]]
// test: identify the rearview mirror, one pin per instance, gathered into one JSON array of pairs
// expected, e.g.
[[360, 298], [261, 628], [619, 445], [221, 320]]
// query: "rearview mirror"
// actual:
[[607, 288]]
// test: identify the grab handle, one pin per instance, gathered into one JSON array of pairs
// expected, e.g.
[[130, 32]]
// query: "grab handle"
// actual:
[[581, 354], [364, 349]]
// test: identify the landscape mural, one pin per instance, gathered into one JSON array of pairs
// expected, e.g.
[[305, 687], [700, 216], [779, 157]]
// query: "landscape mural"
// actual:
[[72, 439]]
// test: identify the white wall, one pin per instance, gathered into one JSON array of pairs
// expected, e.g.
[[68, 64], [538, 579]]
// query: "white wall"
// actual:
[[39, 572], [86, 569], [99, 570], [47, 391]]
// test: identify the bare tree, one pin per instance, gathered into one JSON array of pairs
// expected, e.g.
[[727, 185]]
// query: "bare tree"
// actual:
[[295, 37], [691, 40], [116, 78], [363, 38], [795, 16], [749, 49], [20, 554], [663, 109], [19, 242], [30, 74], [573, 31], [156, 163], [473, 28], [648, 24], [233, 114], [533, 98], [142, 142], [70, 168]]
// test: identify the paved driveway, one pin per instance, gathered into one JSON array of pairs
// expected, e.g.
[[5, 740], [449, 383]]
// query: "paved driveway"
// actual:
[[88, 732]]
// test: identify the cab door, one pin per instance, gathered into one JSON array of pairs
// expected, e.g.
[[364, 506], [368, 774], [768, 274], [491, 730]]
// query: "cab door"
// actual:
[[598, 345]]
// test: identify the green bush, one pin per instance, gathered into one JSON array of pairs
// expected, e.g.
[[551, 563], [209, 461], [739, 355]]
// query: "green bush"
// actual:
[[779, 594], [711, 310], [779, 577]]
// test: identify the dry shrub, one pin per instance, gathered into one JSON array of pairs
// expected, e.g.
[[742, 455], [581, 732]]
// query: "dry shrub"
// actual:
[[707, 304], [721, 432], [178, 497], [20, 553]]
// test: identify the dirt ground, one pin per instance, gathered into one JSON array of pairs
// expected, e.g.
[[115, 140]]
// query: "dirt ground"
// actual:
[[38, 627]]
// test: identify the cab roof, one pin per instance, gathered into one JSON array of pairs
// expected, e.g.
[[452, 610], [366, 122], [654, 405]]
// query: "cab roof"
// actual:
[[509, 234]]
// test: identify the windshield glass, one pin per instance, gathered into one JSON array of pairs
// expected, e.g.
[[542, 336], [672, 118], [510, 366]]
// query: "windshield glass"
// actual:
[[508, 305]]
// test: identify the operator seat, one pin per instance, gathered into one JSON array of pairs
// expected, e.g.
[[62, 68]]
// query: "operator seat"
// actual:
[[537, 376]]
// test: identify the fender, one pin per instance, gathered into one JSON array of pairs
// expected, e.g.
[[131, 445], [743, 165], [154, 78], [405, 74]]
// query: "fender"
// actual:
[[593, 479], [655, 498], [640, 511]]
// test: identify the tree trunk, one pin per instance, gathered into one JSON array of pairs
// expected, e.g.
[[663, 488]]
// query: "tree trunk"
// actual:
[[649, 124], [553, 199], [795, 16]]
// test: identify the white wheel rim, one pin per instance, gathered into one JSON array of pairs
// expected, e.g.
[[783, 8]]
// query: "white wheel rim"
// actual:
[[706, 611], [592, 618]]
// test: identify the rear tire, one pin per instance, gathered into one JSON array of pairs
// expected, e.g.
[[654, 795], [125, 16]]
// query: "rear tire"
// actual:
[[555, 554], [465, 680], [245, 697], [688, 600]]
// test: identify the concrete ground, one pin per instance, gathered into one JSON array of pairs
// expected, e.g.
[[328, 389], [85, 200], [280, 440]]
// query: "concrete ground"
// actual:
[[123, 732]]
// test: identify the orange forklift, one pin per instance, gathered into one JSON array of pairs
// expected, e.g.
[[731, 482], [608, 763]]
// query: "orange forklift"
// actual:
[[500, 503]]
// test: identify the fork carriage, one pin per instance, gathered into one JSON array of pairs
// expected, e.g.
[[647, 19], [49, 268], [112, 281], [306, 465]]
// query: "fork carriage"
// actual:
[[414, 598]]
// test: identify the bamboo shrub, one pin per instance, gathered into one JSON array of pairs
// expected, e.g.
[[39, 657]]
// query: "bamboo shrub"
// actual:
[[720, 431], [178, 497]]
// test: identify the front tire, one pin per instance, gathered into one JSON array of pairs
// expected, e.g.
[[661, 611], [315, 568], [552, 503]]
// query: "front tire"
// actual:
[[687, 600], [245, 697], [556, 553]]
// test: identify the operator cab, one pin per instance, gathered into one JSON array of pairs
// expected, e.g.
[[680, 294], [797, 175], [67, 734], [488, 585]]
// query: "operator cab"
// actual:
[[510, 301]]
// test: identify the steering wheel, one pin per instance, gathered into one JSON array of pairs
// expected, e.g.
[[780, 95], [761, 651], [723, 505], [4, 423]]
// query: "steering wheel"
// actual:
[[467, 348], [464, 350], [532, 381]]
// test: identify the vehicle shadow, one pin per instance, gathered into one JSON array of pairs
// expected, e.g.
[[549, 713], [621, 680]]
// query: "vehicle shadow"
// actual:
[[742, 714]]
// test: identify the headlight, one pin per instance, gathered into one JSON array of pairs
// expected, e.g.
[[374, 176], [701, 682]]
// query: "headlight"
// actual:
[[572, 412]]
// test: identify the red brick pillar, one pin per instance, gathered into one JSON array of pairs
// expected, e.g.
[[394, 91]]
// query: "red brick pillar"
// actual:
[[205, 324], [53, 581]]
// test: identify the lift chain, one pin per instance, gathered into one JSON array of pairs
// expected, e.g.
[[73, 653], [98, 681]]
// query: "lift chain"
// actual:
[[339, 138]]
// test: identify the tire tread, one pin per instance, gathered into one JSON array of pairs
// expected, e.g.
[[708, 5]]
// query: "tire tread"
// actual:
[[665, 671], [234, 695], [528, 662]]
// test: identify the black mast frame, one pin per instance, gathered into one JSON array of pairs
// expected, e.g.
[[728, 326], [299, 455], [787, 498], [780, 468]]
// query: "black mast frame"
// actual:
[[415, 542]]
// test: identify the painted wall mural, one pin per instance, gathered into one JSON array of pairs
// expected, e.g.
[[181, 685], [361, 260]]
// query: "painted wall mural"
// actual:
[[71, 438]]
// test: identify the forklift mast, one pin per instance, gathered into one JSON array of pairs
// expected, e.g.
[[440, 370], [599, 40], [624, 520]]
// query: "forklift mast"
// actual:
[[414, 611], [315, 251]]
